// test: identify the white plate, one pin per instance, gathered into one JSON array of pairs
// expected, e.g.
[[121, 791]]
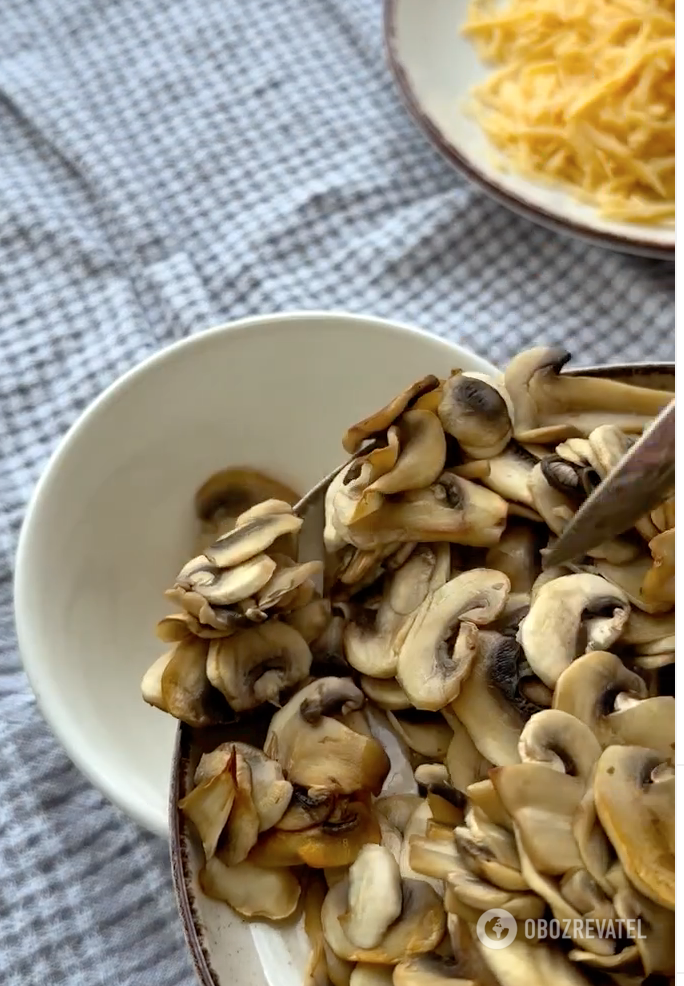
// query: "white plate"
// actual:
[[435, 68]]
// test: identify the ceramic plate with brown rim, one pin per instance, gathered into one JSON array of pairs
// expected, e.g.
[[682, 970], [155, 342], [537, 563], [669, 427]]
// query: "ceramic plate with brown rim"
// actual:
[[216, 935], [435, 69]]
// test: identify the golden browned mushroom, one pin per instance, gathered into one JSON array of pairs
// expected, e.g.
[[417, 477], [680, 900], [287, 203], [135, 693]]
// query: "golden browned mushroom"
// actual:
[[253, 891], [634, 789], [659, 582], [381, 420]]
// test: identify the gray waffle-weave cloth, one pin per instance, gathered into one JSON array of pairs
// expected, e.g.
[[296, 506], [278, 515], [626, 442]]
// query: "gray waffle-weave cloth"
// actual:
[[166, 165]]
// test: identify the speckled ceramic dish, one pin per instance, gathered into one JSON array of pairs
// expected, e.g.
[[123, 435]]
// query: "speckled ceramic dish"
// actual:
[[435, 69]]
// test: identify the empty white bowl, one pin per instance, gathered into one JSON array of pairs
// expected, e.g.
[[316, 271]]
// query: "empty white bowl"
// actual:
[[111, 520]]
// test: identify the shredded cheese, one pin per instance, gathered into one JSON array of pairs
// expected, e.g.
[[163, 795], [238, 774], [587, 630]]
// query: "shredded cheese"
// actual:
[[583, 95]]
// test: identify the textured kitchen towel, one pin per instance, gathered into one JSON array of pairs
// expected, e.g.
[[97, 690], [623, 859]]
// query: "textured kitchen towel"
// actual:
[[166, 165]]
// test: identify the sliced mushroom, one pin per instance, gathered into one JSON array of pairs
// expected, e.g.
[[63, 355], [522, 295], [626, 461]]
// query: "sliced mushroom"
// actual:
[[517, 556], [560, 741], [475, 411], [634, 790], [542, 804], [545, 399], [483, 797], [452, 509], [226, 586], [420, 461], [600, 691], [284, 580], [307, 808], [242, 828], [424, 732], [571, 615], [255, 666], [209, 804], [428, 674], [335, 842], [177, 683], [434, 858], [271, 793], [646, 628], [253, 891], [465, 763], [464, 888], [482, 860], [374, 897], [629, 578], [488, 704], [418, 929], [382, 419], [351, 501], [658, 586], [573, 480], [251, 538], [386, 693], [557, 509], [312, 620], [416, 826], [583, 892], [509, 474], [527, 963], [371, 649], [655, 929], [315, 750]]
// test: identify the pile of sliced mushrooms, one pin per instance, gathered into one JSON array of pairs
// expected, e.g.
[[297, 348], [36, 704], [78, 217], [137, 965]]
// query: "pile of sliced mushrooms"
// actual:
[[534, 706]]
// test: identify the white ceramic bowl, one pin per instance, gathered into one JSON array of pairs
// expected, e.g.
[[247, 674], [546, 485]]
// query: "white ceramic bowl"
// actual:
[[435, 69], [111, 520]]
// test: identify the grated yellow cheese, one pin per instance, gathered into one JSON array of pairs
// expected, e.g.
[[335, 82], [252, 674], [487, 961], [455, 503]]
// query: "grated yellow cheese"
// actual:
[[583, 95]]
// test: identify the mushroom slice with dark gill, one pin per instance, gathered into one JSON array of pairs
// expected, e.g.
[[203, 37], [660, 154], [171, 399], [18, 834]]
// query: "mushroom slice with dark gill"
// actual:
[[316, 750], [428, 673], [475, 411], [336, 841], [560, 741], [571, 615], [613, 702], [254, 666], [490, 704]]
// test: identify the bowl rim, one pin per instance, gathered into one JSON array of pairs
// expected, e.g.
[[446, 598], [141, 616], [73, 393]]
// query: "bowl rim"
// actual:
[[56, 714], [517, 203]]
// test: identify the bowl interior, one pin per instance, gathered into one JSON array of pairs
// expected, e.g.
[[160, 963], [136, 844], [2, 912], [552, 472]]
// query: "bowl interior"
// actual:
[[111, 520], [436, 68]]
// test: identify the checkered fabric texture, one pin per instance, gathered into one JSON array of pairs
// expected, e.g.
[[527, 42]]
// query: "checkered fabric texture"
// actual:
[[170, 164]]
